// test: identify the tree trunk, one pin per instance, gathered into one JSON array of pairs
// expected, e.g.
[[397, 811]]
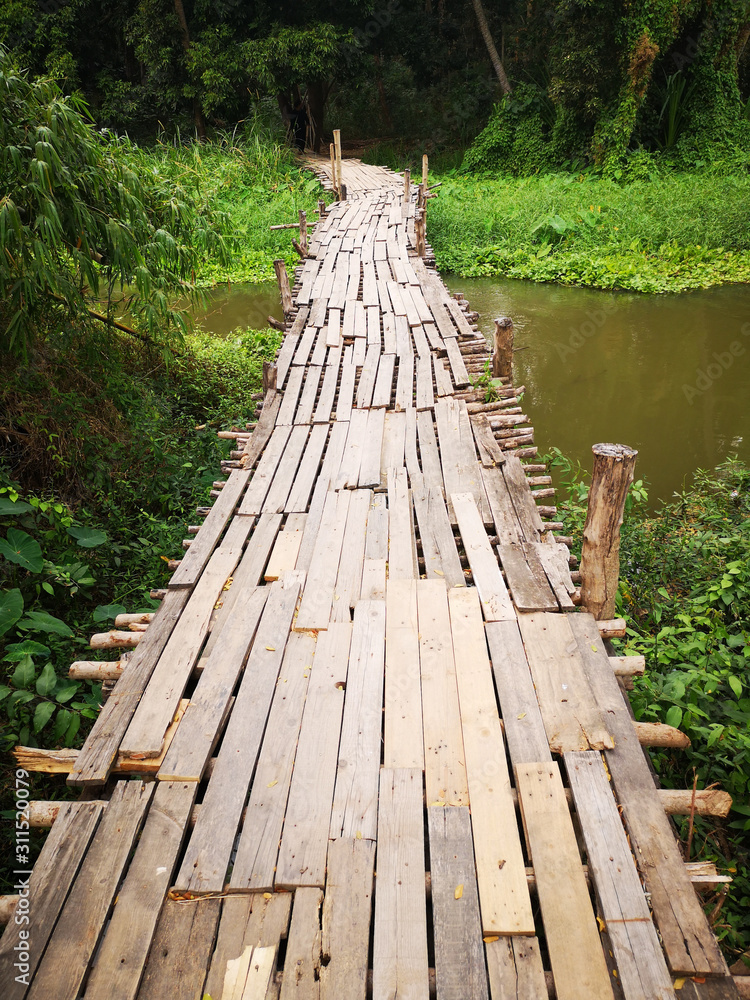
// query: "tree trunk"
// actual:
[[198, 118], [316, 98], [487, 36]]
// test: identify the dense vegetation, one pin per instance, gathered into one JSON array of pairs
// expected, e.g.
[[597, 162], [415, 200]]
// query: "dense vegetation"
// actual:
[[685, 592]]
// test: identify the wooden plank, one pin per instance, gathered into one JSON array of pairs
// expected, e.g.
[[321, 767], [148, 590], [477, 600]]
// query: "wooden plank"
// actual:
[[349, 577], [373, 327], [246, 921], [320, 350], [303, 951], [400, 939], [410, 441], [688, 941], [382, 392], [367, 377], [355, 800], [309, 394], [425, 394], [306, 341], [404, 744], [403, 337], [490, 452], [333, 329], [348, 471], [290, 396], [455, 360], [523, 503], [346, 391], [207, 855], [389, 333], [428, 451], [284, 358], [122, 955], [507, 525], [194, 561], [376, 545], [347, 327], [438, 544], [280, 488], [145, 733], [181, 950], [302, 856], [299, 495], [199, 730], [346, 919], [572, 719], [63, 967], [250, 976], [284, 554], [642, 970], [405, 382], [255, 862], [322, 414], [530, 591], [524, 729], [369, 285], [455, 906], [360, 321], [443, 382], [570, 927], [552, 558], [261, 481], [249, 573], [501, 875], [394, 439], [317, 318], [445, 770], [515, 969], [96, 759], [496, 604], [369, 471], [263, 429], [402, 559], [359, 350], [315, 608], [373, 579], [421, 344], [48, 886]]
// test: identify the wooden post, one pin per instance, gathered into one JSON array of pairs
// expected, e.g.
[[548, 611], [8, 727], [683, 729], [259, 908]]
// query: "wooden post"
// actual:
[[424, 170], [343, 192], [321, 209], [303, 229], [283, 279], [502, 356], [333, 172], [407, 182], [269, 376], [419, 232], [600, 557], [421, 199], [337, 144]]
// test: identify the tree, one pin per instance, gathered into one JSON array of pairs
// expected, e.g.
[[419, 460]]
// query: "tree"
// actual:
[[488, 41]]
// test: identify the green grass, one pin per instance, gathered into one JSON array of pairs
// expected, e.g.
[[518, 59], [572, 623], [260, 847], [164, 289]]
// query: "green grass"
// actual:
[[664, 234]]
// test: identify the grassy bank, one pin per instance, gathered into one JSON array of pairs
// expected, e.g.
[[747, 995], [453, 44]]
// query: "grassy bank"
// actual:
[[664, 233], [685, 592], [111, 452]]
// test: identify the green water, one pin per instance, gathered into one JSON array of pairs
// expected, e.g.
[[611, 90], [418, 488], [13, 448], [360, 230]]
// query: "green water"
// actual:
[[599, 366]]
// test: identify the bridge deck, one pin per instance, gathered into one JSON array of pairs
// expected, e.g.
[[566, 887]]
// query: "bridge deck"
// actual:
[[391, 758]]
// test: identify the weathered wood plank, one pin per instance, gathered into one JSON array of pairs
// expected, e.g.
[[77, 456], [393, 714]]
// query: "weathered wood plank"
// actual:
[[394, 440], [572, 719], [501, 874], [367, 377], [355, 800], [459, 958], [348, 471], [207, 854], [252, 502], [122, 955], [349, 578], [181, 950], [255, 862], [404, 743], [428, 452], [402, 561], [263, 430], [570, 926], [445, 770], [306, 404], [346, 919], [381, 395], [530, 591], [71, 947], [523, 503], [299, 495], [438, 544], [302, 856], [405, 382], [496, 604], [315, 607], [290, 396], [490, 452], [642, 970], [278, 492], [515, 969], [322, 414], [301, 980], [400, 944]]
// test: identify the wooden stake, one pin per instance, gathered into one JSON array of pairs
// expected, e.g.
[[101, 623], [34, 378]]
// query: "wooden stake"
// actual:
[[337, 144], [283, 279], [424, 170], [600, 556], [321, 209], [303, 229], [407, 182], [502, 356], [269, 376], [333, 171]]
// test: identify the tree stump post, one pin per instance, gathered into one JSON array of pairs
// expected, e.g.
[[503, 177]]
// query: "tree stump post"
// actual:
[[333, 172], [303, 229], [283, 279], [420, 232], [614, 465], [502, 355], [321, 209], [342, 193], [269, 376], [407, 184], [424, 170]]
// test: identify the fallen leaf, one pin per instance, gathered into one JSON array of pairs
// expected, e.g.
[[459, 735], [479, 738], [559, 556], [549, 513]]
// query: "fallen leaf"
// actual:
[[267, 895], [490, 938], [699, 979], [271, 649], [678, 984], [358, 835], [602, 925], [272, 783], [439, 573], [522, 715], [459, 891]]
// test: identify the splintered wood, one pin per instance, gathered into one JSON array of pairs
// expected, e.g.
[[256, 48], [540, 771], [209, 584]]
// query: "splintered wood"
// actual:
[[349, 699]]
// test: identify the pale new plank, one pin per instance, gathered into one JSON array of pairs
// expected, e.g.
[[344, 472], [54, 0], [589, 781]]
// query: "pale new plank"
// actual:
[[255, 863], [496, 604], [167, 684], [445, 770], [632, 935], [284, 554], [572, 719], [400, 963], [355, 800], [501, 875], [373, 580], [404, 743], [570, 926], [302, 857], [315, 607], [346, 919], [207, 855]]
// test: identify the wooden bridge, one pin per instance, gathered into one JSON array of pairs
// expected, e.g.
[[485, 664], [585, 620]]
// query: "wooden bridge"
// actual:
[[367, 746]]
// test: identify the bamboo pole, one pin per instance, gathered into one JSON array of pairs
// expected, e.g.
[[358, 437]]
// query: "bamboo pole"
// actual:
[[600, 556], [502, 355], [283, 280]]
